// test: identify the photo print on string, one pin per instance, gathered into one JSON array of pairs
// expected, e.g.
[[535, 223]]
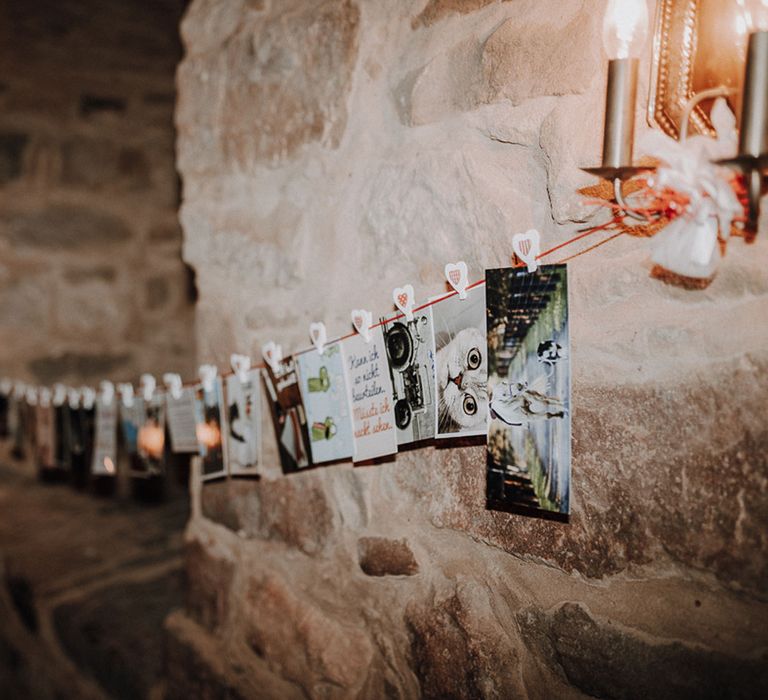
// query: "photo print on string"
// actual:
[[288, 415], [104, 462], [61, 427], [326, 401], [82, 421], [244, 421], [529, 432], [149, 459], [181, 407], [131, 419], [45, 436], [411, 359], [461, 364], [5, 390], [370, 396], [210, 428]]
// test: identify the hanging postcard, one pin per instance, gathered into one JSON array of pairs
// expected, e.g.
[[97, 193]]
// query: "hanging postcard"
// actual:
[[411, 359], [150, 440], [5, 390], [288, 415], [210, 428], [327, 403], [461, 366], [131, 418], [529, 433], [45, 436], [81, 421], [370, 396], [104, 462], [182, 421], [244, 420]]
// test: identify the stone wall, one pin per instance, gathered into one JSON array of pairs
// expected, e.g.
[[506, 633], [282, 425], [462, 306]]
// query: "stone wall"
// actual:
[[334, 149], [91, 278]]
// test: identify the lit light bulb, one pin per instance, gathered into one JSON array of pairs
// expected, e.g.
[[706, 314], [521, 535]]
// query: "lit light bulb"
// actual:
[[756, 14], [625, 27], [208, 434]]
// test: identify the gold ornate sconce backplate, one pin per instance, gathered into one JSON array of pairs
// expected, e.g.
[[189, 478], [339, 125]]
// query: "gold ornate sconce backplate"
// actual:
[[697, 45]]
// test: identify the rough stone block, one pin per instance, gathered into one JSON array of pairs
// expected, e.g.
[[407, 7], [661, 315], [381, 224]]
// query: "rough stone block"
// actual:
[[542, 53], [63, 226], [381, 556], [110, 638], [607, 661], [74, 364], [291, 510], [290, 75], [302, 642], [12, 145], [436, 10], [209, 580], [100, 163], [461, 649]]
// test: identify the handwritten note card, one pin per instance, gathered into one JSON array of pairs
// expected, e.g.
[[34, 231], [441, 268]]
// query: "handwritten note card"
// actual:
[[370, 396]]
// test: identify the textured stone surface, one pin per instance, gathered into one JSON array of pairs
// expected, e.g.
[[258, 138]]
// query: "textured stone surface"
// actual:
[[65, 227], [11, 152], [289, 75], [313, 649], [296, 514], [88, 181], [208, 583], [430, 132], [605, 661], [85, 585], [127, 664], [380, 556]]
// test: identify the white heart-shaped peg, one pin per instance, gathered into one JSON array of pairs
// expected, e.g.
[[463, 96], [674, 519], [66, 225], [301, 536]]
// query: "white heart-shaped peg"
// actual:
[[148, 384], [173, 383], [527, 247], [272, 354], [73, 398], [44, 396], [456, 274], [319, 335], [403, 298], [126, 394], [241, 365], [207, 375], [31, 396], [362, 320], [107, 390], [60, 394], [88, 395]]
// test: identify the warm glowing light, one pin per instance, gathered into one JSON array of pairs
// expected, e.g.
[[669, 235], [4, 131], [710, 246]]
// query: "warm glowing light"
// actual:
[[151, 440], [755, 14], [109, 465], [625, 27], [208, 434]]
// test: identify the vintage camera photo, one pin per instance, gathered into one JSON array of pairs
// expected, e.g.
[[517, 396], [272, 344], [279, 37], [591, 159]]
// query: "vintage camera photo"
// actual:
[[411, 358]]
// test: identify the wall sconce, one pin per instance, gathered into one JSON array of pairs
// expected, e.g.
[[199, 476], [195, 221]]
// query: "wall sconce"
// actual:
[[752, 157], [698, 54]]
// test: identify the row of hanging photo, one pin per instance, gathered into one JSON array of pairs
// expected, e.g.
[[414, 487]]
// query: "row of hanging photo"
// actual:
[[488, 359]]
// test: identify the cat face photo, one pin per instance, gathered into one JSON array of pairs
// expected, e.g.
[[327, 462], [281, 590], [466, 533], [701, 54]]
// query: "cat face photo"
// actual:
[[461, 364]]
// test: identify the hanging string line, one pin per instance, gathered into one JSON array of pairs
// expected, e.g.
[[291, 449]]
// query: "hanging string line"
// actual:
[[448, 295]]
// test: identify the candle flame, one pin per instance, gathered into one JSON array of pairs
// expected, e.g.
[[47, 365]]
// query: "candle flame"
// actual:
[[625, 27]]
